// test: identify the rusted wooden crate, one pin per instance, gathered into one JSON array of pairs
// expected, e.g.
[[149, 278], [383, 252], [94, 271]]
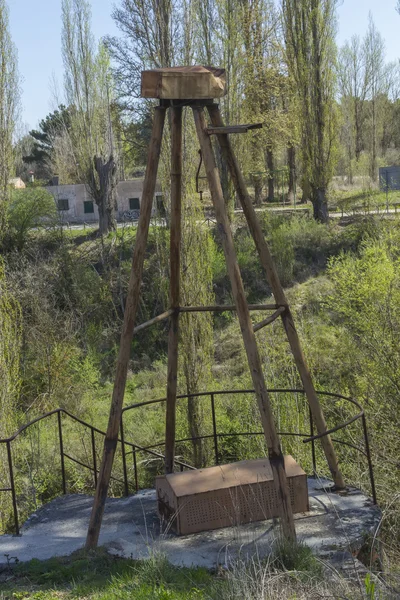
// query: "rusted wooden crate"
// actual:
[[184, 83], [227, 495]]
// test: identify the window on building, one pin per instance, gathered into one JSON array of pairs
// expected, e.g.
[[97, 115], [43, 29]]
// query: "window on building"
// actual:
[[134, 204], [88, 207], [63, 204]]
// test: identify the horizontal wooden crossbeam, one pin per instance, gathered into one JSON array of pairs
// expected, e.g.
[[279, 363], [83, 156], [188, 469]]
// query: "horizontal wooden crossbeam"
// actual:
[[216, 308], [222, 308], [233, 129]]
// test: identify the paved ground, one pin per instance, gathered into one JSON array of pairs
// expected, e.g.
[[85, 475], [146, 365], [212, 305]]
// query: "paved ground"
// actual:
[[131, 528]]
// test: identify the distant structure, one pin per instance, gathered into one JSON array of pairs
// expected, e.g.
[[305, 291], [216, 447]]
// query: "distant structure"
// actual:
[[17, 183], [75, 204], [389, 178]]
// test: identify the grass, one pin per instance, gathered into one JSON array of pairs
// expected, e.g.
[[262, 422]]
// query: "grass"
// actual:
[[292, 573], [103, 577]]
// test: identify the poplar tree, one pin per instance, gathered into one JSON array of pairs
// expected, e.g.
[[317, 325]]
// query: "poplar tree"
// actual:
[[309, 29], [9, 103], [163, 34], [88, 90], [375, 57]]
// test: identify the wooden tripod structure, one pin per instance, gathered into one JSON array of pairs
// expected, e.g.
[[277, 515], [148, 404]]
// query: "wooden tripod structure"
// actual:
[[281, 308]]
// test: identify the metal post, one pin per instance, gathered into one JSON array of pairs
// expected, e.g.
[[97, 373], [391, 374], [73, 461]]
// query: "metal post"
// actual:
[[94, 457], [214, 429], [370, 467], [12, 485], [387, 192], [135, 468], [314, 462], [126, 485], [60, 437]]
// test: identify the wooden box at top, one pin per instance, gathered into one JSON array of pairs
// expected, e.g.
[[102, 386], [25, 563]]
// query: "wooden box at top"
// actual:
[[227, 495], [184, 83]]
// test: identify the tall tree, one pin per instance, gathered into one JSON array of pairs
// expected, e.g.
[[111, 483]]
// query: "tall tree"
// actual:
[[163, 33], [375, 56], [40, 157], [354, 75], [309, 27], [88, 89], [9, 102]]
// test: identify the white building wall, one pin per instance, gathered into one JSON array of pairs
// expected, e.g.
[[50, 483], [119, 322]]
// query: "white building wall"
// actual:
[[77, 195]]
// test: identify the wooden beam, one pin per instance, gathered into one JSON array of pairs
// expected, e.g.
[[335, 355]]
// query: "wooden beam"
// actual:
[[147, 324], [279, 294], [233, 129], [246, 326], [223, 308], [132, 301], [174, 290], [270, 319]]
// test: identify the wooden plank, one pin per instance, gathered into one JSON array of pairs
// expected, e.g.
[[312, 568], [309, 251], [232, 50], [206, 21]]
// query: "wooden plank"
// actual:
[[277, 289], [274, 450], [132, 301], [233, 129], [174, 290], [270, 319], [157, 319], [223, 308]]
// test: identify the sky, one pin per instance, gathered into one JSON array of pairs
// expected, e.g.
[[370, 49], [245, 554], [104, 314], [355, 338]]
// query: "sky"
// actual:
[[36, 32]]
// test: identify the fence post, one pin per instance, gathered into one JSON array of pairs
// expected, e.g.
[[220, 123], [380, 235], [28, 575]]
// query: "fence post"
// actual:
[[214, 421], [135, 468], [368, 453], [314, 462], [12, 484], [60, 437], [126, 484], [94, 457]]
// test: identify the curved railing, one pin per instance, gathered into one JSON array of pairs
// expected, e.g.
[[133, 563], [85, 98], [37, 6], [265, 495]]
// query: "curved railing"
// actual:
[[151, 450]]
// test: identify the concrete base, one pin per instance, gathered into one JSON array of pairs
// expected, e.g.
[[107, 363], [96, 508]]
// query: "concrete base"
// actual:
[[335, 525]]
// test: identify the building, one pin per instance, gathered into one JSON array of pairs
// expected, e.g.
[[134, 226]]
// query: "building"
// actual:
[[389, 178], [75, 204], [17, 183]]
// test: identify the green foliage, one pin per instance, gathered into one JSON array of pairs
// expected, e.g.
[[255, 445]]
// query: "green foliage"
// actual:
[[10, 375], [30, 208]]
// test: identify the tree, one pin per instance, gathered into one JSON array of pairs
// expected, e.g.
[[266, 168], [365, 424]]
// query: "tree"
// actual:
[[146, 42], [88, 90], [9, 101], [10, 349], [354, 70], [40, 157], [29, 209], [375, 56], [309, 27]]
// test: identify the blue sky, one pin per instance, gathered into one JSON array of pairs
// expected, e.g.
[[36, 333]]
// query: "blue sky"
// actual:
[[36, 27]]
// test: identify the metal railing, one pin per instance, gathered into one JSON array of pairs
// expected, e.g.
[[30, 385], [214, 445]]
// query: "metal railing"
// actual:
[[151, 450]]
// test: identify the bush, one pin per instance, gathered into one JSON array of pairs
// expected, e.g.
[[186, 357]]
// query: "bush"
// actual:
[[31, 208]]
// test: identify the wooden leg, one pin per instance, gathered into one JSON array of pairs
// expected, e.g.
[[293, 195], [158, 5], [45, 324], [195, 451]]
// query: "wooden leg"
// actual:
[[279, 294], [175, 247], [271, 436], [132, 302]]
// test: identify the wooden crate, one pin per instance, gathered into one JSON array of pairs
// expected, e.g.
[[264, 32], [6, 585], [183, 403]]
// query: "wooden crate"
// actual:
[[227, 495], [184, 83]]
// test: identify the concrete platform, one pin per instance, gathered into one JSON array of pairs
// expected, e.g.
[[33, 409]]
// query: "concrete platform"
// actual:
[[335, 525]]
